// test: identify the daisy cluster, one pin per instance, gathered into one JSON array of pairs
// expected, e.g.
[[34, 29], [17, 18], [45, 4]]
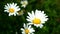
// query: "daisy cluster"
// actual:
[[36, 18]]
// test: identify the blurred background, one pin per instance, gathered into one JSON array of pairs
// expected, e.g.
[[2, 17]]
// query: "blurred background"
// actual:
[[12, 24]]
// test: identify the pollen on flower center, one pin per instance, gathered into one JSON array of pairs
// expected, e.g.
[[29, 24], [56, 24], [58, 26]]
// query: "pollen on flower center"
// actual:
[[36, 21], [11, 10], [26, 31]]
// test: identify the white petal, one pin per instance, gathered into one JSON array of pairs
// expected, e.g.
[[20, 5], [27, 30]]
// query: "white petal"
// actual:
[[29, 14], [14, 14], [22, 29], [32, 33], [9, 14], [29, 26], [15, 4], [24, 25], [32, 13], [6, 7], [29, 23], [41, 25], [12, 3], [28, 19], [31, 30], [23, 32], [37, 25], [43, 12], [5, 10]]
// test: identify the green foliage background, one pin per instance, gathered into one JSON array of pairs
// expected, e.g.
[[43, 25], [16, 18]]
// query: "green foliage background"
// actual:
[[12, 24]]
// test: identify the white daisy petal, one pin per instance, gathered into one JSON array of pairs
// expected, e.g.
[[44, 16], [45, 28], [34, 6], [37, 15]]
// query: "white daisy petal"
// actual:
[[5, 10], [12, 3], [32, 33], [29, 23], [14, 14], [9, 14], [7, 4], [30, 26], [28, 19], [5, 7], [37, 25], [22, 29], [32, 13], [24, 25], [15, 4], [41, 25], [23, 32], [43, 12], [29, 14]]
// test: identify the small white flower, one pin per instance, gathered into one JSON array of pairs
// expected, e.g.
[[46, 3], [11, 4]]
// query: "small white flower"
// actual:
[[27, 29], [37, 19], [11, 9], [20, 13], [24, 3]]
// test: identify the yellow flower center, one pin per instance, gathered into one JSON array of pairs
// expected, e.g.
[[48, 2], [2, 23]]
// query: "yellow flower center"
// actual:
[[36, 21], [11, 10], [24, 3], [26, 31]]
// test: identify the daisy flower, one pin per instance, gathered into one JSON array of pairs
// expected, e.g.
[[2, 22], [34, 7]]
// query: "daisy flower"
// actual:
[[27, 29], [37, 19], [24, 3], [11, 9]]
